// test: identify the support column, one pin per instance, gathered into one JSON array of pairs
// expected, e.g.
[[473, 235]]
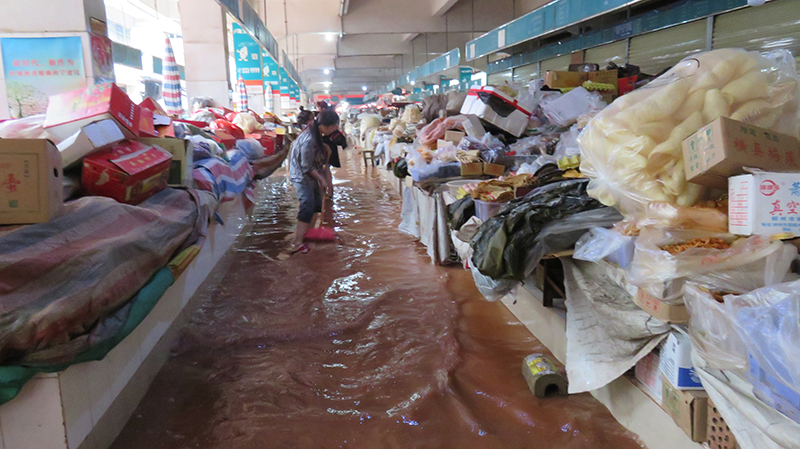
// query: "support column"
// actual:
[[205, 47]]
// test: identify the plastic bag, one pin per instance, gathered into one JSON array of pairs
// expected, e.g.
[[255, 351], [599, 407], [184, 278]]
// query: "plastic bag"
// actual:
[[666, 215], [563, 234], [247, 122], [31, 127], [748, 264], [409, 214], [455, 100], [565, 110], [411, 114], [712, 331], [632, 150], [251, 148], [568, 144], [492, 289], [600, 243], [768, 322]]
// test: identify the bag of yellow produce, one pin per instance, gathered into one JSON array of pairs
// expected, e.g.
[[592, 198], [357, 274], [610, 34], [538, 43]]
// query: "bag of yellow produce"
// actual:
[[632, 150]]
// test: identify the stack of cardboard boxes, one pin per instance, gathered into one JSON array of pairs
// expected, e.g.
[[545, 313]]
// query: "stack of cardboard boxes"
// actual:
[[125, 151]]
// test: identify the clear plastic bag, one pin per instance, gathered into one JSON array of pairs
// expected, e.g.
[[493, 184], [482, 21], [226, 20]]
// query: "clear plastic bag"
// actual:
[[632, 150], [568, 144], [748, 264], [666, 215], [768, 322], [565, 110], [492, 289], [712, 331], [600, 243]]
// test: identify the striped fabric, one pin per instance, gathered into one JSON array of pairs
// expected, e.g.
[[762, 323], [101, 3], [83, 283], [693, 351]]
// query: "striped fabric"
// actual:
[[171, 86], [225, 180], [241, 96]]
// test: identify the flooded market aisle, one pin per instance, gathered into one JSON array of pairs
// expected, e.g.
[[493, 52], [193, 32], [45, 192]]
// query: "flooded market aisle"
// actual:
[[358, 344]]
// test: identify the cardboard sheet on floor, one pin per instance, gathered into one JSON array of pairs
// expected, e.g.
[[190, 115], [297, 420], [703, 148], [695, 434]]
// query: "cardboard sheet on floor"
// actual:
[[607, 334], [755, 424]]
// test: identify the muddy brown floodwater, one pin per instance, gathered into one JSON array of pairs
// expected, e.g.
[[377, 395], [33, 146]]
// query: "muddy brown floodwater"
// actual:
[[362, 343]]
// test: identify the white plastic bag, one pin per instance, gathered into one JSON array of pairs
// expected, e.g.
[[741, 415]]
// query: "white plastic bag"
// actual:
[[31, 127], [492, 289], [601, 243], [748, 264], [712, 331], [565, 110], [632, 150], [768, 322]]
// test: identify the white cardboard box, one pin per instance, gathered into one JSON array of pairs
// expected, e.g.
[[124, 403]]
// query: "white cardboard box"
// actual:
[[648, 373], [31, 181], [515, 122], [90, 138], [676, 363], [764, 204]]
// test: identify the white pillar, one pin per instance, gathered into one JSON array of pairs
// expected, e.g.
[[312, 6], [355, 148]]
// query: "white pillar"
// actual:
[[205, 46]]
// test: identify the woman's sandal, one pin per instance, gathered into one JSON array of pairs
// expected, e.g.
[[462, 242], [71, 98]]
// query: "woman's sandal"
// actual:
[[302, 249]]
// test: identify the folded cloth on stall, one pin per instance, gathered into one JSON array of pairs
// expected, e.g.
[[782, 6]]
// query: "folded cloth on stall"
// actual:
[[58, 280], [226, 180], [607, 334]]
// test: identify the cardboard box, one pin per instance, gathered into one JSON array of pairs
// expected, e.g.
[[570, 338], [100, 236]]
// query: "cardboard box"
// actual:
[[495, 170], [648, 373], [147, 127], [721, 150], [606, 77], [443, 143], [223, 137], [473, 169], [31, 181], [764, 204], [474, 127], [661, 310], [70, 111], [494, 106], [92, 137], [557, 79], [268, 140], [129, 172], [454, 136], [180, 170], [689, 410], [676, 363]]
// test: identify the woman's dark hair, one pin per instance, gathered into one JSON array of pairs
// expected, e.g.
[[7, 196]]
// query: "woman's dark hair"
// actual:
[[325, 118], [304, 118]]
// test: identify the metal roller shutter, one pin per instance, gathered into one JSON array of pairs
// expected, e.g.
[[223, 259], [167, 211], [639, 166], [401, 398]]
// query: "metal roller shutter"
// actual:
[[614, 52], [499, 78], [559, 63], [526, 73], [769, 27], [659, 50]]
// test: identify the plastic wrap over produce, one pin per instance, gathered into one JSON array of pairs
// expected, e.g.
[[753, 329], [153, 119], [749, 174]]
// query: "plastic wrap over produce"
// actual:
[[739, 267], [632, 150], [768, 321]]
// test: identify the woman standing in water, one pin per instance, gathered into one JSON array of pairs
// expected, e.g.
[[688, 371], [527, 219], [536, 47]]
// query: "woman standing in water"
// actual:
[[307, 171]]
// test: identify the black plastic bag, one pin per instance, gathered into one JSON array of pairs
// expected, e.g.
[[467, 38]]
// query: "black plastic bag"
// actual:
[[503, 246], [460, 212]]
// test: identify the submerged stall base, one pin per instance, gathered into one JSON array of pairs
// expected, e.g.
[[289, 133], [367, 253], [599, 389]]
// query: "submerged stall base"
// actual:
[[361, 344]]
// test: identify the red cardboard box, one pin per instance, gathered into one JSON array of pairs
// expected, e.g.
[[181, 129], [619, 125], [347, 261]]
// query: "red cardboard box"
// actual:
[[224, 138], [268, 140], [70, 111], [146, 126], [129, 172]]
